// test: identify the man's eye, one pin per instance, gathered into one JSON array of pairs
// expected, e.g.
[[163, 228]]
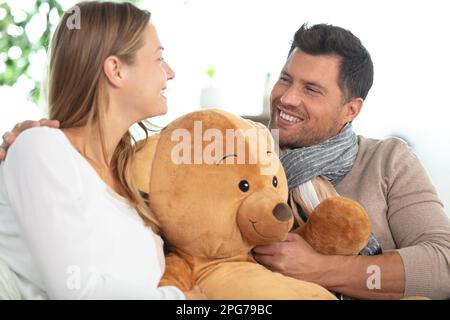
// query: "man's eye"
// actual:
[[284, 79], [311, 90]]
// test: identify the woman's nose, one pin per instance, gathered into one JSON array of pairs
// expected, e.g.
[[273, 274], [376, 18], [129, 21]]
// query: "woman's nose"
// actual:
[[169, 71]]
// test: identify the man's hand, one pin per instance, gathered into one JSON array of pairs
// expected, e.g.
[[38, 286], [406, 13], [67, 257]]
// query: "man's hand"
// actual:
[[349, 275], [293, 257], [10, 136]]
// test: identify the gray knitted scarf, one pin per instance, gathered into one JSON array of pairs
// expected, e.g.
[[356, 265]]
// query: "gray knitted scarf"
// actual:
[[332, 158]]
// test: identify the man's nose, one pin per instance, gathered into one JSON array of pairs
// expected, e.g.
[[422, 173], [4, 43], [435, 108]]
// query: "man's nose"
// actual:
[[291, 97]]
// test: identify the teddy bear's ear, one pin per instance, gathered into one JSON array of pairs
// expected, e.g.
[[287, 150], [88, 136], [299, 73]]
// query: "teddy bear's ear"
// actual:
[[141, 166]]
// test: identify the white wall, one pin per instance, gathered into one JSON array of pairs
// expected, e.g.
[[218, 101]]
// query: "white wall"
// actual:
[[408, 41], [243, 40]]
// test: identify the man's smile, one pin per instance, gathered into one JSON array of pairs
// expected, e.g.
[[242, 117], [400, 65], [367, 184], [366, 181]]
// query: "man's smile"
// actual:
[[286, 119]]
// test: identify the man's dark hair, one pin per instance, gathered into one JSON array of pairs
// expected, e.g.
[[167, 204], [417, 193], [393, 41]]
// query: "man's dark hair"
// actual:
[[356, 69]]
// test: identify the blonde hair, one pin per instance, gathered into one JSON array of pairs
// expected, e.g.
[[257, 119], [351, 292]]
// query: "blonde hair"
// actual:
[[76, 88]]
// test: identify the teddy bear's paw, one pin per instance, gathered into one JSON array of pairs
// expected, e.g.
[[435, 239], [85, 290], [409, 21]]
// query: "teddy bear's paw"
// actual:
[[337, 226]]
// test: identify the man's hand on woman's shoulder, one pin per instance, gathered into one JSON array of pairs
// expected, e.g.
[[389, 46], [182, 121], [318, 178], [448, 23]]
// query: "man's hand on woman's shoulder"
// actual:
[[10, 136]]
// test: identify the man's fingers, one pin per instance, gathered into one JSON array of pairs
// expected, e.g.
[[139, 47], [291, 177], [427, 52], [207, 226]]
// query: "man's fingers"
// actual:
[[5, 137], [49, 123], [267, 249], [4, 146], [267, 261], [18, 128], [291, 236], [9, 137]]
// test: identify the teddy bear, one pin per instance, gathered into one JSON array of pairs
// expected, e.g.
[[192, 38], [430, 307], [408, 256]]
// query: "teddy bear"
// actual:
[[217, 188]]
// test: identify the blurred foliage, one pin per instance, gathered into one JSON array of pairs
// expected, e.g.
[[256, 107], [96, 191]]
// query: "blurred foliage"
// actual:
[[211, 72], [13, 26], [19, 66]]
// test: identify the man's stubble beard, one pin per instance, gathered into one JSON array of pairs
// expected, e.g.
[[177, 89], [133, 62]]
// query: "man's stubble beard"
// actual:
[[311, 139]]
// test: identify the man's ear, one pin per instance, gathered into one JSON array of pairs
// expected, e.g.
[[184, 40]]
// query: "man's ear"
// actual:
[[141, 167], [352, 109], [113, 69]]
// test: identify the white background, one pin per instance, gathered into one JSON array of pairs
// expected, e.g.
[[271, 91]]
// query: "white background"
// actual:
[[244, 40]]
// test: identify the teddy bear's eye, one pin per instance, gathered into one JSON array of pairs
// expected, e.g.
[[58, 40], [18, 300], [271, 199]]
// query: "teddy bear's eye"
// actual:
[[244, 185], [275, 181]]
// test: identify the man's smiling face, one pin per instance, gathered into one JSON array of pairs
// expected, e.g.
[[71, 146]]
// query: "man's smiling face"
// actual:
[[306, 101]]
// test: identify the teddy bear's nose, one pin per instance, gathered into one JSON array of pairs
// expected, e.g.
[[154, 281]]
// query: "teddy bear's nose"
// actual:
[[282, 212]]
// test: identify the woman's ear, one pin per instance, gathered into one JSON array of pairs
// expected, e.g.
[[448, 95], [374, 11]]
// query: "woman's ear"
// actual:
[[114, 71]]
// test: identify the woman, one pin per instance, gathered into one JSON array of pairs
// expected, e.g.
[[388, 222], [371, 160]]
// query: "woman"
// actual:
[[72, 223]]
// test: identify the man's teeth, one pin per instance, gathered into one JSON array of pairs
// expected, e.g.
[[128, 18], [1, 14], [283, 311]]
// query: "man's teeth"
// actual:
[[289, 118]]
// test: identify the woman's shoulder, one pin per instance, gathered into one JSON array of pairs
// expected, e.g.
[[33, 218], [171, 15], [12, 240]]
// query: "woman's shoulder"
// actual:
[[38, 139], [41, 156], [39, 143], [37, 134]]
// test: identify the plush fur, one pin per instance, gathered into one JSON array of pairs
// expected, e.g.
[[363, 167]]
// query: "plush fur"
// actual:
[[337, 226], [212, 225]]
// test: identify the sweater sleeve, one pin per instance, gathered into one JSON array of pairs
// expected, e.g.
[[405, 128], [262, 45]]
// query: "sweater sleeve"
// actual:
[[419, 225], [44, 190]]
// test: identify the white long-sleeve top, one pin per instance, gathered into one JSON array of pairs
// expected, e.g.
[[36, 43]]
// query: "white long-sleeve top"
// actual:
[[66, 234]]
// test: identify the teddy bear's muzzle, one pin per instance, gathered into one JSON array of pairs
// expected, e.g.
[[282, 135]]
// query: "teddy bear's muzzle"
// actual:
[[264, 218]]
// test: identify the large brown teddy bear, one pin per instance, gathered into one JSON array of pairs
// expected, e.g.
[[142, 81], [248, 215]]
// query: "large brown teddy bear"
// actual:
[[213, 209]]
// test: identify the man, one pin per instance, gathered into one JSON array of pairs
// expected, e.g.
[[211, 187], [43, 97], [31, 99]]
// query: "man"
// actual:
[[320, 91]]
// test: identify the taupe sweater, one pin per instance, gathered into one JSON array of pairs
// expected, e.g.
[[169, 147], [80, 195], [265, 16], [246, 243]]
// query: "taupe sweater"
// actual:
[[405, 211]]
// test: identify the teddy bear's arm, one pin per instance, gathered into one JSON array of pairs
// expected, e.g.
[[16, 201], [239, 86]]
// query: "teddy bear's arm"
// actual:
[[178, 273]]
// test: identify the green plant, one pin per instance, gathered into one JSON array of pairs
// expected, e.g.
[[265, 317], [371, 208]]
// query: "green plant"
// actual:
[[14, 35], [211, 72], [16, 48]]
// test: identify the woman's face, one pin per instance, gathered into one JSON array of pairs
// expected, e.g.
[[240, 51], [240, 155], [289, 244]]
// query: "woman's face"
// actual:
[[147, 77]]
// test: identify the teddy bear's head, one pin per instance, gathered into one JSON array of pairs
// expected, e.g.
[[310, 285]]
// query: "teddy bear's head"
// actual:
[[215, 184]]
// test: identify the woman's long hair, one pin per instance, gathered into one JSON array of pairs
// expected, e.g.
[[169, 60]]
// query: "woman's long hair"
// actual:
[[76, 88]]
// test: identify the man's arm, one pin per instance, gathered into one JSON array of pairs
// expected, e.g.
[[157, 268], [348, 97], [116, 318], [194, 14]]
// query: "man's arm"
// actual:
[[362, 277], [10, 136], [419, 226], [366, 277]]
